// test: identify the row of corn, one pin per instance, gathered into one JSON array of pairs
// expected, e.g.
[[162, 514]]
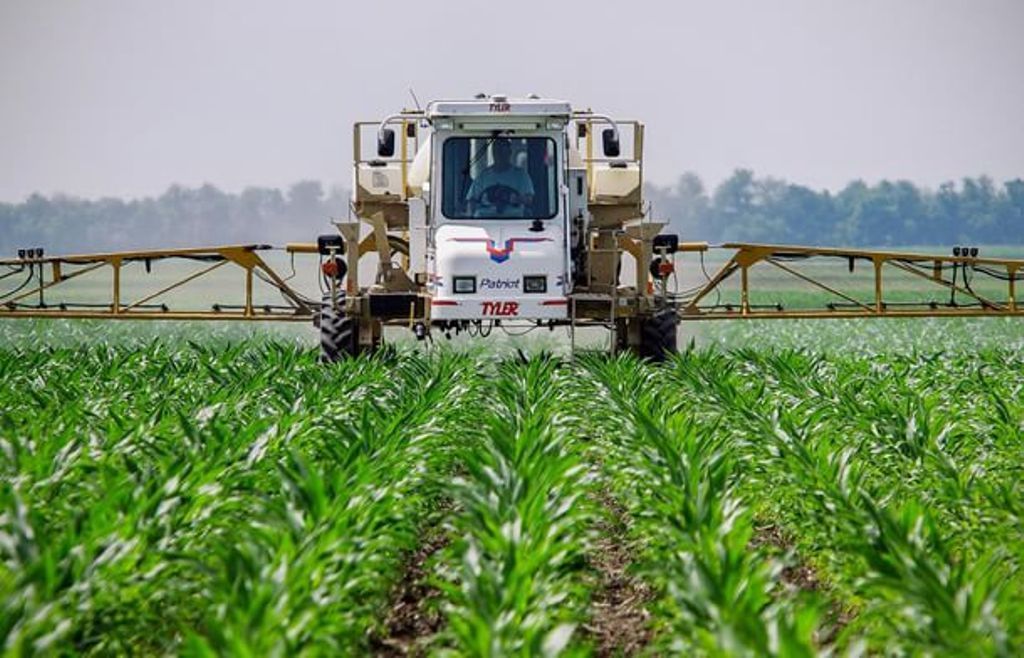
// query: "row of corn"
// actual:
[[238, 498]]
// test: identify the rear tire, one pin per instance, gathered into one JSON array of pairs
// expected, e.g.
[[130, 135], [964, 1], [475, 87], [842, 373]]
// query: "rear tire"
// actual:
[[339, 333], [658, 335]]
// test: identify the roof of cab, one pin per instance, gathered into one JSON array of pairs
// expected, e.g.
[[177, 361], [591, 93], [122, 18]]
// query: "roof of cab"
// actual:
[[499, 105]]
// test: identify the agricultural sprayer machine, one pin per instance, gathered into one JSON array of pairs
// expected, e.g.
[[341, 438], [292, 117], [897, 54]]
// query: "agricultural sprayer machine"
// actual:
[[499, 212]]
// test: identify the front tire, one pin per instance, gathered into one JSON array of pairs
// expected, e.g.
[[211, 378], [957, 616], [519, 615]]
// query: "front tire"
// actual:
[[339, 333], [658, 335]]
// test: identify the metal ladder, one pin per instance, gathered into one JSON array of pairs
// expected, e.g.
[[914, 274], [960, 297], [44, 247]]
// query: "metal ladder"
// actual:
[[612, 300]]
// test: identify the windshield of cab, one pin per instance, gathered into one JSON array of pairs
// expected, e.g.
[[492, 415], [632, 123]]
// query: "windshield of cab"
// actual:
[[499, 178]]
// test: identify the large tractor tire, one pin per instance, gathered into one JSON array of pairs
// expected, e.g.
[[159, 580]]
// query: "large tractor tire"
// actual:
[[339, 333], [658, 335]]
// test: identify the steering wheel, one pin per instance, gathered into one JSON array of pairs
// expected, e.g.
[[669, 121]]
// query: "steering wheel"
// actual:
[[501, 196]]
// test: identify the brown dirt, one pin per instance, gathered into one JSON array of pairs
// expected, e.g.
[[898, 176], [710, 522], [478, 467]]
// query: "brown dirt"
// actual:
[[801, 576], [796, 576], [619, 622], [411, 619]]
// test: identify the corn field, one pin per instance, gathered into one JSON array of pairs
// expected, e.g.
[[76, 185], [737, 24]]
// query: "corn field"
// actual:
[[238, 498]]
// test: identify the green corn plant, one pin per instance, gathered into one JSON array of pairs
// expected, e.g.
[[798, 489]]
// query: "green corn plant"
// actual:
[[138, 485], [839, 466], [220, 493], [718, 595], [911, 575], [511, 588]]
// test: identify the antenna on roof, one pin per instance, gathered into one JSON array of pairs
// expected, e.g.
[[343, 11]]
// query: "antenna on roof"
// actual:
[[415, 100]]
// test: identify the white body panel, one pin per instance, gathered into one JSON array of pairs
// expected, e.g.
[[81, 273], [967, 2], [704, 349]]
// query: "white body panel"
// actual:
[[499, 253]]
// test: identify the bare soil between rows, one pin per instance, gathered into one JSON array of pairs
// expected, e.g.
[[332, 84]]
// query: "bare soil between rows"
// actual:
[[798, 575], [411, 619], [619, 623]]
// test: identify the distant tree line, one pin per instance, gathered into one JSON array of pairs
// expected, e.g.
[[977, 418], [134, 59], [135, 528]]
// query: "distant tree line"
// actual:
[[181, 216], [748, 208], [742, 208]]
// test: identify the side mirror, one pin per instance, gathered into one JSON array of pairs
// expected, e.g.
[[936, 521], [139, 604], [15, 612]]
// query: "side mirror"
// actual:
[[386, 143], [610, 142]]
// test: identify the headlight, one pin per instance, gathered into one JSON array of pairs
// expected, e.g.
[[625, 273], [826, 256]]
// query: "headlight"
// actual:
[[535, 284], [465, 285]]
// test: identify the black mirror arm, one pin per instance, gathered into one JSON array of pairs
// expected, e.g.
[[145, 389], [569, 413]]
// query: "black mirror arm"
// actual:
[[606, 119]]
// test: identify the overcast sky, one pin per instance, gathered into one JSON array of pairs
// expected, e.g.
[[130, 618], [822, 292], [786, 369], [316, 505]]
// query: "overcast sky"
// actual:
[[126, 97]]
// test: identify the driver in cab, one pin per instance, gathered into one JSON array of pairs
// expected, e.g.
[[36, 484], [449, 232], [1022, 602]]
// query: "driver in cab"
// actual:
[[502, 189]]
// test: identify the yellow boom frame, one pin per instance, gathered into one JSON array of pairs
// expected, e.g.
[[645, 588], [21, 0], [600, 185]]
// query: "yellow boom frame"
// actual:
[[51, 272], [927, 267], [244, 257]]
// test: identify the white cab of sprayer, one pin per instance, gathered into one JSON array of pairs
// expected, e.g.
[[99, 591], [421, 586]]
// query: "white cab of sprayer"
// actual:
[[497, 237], [511, 212]]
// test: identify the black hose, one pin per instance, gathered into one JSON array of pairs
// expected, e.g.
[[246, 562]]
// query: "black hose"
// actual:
[[25, 283]]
